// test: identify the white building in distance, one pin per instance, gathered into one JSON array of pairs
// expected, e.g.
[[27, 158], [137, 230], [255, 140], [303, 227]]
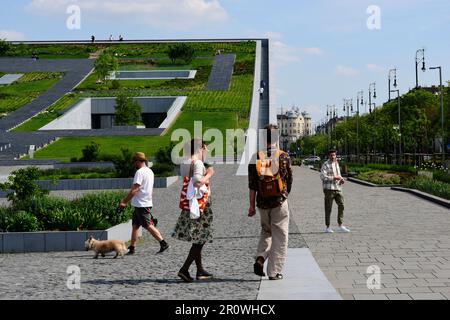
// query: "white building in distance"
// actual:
[[293, 125]]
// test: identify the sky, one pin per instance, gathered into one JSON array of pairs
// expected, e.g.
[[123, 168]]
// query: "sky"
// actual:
[[323, 51]]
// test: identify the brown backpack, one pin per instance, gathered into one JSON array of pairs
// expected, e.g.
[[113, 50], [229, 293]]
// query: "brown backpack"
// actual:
[[270, 183]]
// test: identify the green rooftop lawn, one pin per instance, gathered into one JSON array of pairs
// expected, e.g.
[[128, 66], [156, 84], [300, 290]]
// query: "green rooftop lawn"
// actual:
[[66, 148], [26, 89]]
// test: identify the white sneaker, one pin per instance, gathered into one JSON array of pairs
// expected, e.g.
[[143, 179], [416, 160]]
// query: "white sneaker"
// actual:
[[329, 230], [343, 229]]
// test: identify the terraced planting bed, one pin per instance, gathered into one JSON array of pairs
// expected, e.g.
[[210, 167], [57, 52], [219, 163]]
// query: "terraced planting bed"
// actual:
[[28, 87], [217, 109]]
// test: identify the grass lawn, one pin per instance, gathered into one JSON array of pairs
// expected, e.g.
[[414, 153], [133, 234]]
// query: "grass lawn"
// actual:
[[66, 148], [49, 115], [26, 89]]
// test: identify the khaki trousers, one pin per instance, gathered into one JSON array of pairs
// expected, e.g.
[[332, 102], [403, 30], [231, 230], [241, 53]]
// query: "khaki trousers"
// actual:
[[273, 241]]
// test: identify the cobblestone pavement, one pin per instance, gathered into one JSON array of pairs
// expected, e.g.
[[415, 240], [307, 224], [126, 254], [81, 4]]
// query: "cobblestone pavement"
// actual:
[[405, 236], [146, 275]]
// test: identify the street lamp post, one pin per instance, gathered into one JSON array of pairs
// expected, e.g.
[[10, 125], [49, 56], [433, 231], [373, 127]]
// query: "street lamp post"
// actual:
[[372, 90], [392, 75], [399, 127], [421, 53], [348, 105], [442, 111], [359, 100]]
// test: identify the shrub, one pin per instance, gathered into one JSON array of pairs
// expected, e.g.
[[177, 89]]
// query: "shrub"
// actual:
[[98, 207], [115, 84], [123, 165], [22, 221], [47, 211], [164, 155], [163, 169], [105, 64], [379, 177], [23, 185], [5, 218], [437, 188], [4, 47], [90, 152]]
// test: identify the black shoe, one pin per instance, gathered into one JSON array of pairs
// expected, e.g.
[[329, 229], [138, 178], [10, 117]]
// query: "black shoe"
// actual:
[[163, 248], [185, 276], [204, 275], [279, 276], [258, 269], [130, 250]]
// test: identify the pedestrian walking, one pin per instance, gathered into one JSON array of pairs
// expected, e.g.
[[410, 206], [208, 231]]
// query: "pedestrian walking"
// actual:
[[261, 93], [141, 195], [92, 38], [332, 182], [195, 221], [270, 182]]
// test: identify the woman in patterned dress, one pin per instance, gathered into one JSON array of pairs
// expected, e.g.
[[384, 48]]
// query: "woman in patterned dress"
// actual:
[[197, 231]]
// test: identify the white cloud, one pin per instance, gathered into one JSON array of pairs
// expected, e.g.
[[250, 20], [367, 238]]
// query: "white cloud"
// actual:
[[375, 68], [11, 35], [346, 71], [281, 53], [173, 14], [313, 51]]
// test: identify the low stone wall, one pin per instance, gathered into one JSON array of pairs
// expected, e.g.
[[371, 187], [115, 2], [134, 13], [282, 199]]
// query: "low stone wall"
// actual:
[[50, 241], [99, 184]]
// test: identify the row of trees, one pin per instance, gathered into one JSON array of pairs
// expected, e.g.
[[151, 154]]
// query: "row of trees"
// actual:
[[420, 114]]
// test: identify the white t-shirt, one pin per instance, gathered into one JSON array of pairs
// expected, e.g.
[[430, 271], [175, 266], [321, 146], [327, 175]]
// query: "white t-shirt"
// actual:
[[145, 178]]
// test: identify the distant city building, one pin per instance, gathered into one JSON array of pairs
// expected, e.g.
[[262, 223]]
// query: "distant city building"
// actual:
[[293, 125]]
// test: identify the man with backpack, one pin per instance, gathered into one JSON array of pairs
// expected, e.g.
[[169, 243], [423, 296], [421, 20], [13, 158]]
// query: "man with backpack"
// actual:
[[270, 181]]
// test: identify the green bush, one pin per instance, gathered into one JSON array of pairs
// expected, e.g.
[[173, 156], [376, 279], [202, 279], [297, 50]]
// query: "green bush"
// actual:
[[380, 177], [163, 169], [22, 221], [437, 188], [5, 218], [115, 84], [4, 47], [90, 152], [102, 206], [442, 176], [47, 211], [123, 165], [23, 185], [296, 162]]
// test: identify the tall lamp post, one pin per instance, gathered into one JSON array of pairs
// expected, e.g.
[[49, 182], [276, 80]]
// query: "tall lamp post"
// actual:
[[442, 111], [348, 105], [399, 127], [359, 100], [420, 57], [329, 116], [392, 75], [372, 94]]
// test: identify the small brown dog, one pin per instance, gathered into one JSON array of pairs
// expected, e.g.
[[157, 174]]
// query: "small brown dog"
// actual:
[[105, 246]]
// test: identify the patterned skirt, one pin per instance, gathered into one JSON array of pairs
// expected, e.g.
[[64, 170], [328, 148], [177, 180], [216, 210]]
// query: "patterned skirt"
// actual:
[[198, 231]]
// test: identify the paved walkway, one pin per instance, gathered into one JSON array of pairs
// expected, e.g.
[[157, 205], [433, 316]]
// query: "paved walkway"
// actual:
[[149, 276], [405, 236]]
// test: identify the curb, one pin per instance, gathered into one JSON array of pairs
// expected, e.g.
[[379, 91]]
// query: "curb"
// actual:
[[426, 196]]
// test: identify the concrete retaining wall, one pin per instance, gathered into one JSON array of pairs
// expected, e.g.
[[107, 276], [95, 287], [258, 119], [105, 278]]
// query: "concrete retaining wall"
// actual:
[[50, 241], [77, 118], [100, 184]]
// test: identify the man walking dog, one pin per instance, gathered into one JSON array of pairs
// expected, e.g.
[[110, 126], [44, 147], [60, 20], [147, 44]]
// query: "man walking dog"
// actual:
[[141, 199]]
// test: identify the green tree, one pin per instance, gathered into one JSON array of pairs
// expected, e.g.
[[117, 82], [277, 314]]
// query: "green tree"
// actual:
[[128, 111], [181, 51], [4, 47], [105, 64], [22, 185], [123, 165]]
